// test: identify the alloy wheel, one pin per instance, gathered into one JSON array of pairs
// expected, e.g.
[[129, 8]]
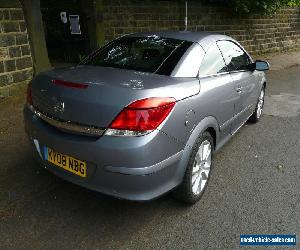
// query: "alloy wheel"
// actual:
[[260, 104], [201, 167]]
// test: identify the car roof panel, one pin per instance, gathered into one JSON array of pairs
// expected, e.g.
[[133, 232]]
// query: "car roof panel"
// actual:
[[202, 37]]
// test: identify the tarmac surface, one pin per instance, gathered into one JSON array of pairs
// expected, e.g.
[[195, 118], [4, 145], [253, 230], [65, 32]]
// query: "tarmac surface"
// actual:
[[254, 189]]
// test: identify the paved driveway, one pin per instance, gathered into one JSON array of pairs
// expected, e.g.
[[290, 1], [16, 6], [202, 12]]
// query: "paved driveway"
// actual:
[[255, 188]]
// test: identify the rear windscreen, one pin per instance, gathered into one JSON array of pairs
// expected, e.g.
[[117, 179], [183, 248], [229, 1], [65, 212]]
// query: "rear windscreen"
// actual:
[[146, 54]]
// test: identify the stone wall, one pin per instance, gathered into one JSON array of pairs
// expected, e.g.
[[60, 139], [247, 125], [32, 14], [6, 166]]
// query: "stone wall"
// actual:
[[259, 34], [15, 55]]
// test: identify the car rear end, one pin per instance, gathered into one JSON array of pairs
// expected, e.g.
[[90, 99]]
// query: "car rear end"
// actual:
[[134, 168], [103, 128]]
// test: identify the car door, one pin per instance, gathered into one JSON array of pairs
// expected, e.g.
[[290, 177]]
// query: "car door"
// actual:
[[244, 80], [217, 89]]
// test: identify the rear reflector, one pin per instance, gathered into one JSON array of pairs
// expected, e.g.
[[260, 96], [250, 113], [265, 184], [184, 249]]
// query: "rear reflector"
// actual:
[[70, 84], [143, 115]]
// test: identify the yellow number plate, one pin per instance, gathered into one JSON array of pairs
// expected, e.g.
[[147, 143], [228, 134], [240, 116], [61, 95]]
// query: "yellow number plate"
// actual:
[[66, 162]]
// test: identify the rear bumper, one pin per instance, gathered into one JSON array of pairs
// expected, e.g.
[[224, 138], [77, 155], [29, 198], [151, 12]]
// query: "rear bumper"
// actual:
[[135, 168]]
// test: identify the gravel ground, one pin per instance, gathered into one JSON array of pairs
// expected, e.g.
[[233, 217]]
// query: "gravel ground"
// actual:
[[254, 189]]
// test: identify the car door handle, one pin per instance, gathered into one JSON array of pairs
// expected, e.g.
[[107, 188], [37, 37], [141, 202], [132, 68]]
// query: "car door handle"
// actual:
[[239, 90]]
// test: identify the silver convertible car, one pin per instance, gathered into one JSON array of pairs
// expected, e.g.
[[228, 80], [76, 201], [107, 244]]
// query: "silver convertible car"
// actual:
[[143, 115]]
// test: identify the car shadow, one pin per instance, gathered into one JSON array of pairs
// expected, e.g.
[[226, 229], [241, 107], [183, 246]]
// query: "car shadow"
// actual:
[[44, 201]]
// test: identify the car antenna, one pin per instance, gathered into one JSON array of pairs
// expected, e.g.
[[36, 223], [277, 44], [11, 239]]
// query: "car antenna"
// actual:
[[186, 18]]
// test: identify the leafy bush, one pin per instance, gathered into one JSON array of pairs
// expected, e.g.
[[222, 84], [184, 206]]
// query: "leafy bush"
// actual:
[[261, 6], [254, 6], [294, 3]]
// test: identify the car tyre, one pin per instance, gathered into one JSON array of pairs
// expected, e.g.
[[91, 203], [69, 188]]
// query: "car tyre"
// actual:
[[255, 117], [197, 172]]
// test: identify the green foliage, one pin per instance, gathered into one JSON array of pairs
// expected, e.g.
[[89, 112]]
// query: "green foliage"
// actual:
[[294, 3], [253, 6], [258, 6]]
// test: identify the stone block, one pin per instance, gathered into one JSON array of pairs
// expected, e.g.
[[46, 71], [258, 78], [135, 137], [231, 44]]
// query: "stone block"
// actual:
[[22, 75], [7, 40], [23, 63], [16, 14], [5, 80], [3, 53], [25, 50], [21, 39], [8, 27], [9, 65], [14, 52]]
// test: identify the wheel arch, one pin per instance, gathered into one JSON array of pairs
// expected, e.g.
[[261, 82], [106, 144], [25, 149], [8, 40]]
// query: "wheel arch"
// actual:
[[263, 80], [209, 124], [213, 134]]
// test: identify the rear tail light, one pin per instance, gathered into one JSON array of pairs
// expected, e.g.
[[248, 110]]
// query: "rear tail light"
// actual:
[[141, 117], [29, 94]]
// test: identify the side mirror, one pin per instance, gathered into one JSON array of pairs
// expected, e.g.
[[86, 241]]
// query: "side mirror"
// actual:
[[261, 65]]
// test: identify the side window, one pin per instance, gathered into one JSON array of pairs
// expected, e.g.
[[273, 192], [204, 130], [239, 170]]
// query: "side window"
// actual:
[[213, 62], [234, 56]]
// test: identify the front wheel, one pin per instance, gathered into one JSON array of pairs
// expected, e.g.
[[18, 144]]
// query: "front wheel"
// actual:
[[198, 171], [259, 107]]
